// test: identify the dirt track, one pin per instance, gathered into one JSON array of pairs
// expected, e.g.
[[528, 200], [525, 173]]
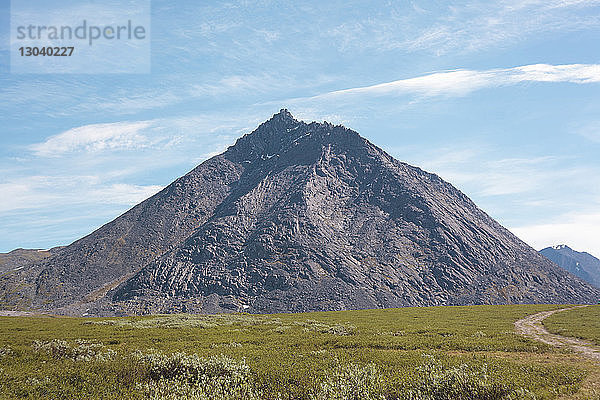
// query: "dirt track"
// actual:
[[531, 326]]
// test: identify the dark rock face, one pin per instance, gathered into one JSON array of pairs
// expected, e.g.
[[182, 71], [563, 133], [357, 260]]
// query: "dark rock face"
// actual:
[[299, 217], [582, 264]]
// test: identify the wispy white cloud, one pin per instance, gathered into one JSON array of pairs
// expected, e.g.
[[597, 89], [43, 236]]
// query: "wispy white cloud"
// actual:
[[519, 175], [450, 82], [515, 5], [45, 211], [51, 192], [479, 171], [572, 73], [463, 27], [462, 82], [237, 84], [133, 103], [121, 193], [95, 137]]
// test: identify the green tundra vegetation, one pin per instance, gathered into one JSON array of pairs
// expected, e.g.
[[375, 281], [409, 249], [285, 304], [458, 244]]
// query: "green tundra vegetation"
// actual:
[[583, 323], [410, 353]]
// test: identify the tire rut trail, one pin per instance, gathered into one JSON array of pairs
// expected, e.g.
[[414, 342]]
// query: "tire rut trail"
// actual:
[[531, 326]]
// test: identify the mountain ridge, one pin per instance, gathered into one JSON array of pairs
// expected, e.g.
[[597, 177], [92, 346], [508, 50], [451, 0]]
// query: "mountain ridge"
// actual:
[[581, 264], [298, 216]]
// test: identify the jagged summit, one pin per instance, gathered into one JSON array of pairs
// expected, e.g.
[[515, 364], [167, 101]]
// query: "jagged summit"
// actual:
[[283, 122], [281, 133], [284, 115], [298, 216]]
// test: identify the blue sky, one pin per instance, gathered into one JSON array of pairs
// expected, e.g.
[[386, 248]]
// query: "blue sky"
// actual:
[[502, 99]]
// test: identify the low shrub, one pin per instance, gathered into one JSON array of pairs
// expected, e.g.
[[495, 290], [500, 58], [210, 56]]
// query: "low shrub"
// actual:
[[184, 376], [352, 382], [463, 382], [178, 321], [84, 350], [337, 329]]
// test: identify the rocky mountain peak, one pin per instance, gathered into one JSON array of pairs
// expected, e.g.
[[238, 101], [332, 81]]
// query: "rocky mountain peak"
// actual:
[[297, 217], [284, 115], [284, 134], [282, 123]]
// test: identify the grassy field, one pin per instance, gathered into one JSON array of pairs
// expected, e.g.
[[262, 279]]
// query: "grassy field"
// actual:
[[411, 353], [583, 323]]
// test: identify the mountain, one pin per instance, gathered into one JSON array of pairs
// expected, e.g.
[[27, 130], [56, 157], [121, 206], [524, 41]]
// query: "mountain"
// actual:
[[294, 217], [582, 264]]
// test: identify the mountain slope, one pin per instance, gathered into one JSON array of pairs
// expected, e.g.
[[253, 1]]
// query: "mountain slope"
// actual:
[[582, 264], [121, 247], [298, 217]]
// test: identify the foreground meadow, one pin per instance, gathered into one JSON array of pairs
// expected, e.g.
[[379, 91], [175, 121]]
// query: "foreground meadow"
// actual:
[[410, 353]]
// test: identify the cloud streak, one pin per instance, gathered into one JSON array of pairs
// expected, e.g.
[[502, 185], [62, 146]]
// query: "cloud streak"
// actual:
[[463, 82], [95, 137], [44, 192]]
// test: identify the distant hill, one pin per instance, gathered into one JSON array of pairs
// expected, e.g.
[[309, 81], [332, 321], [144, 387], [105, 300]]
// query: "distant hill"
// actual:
[[295, 217], [582, 264], [21, 257]]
